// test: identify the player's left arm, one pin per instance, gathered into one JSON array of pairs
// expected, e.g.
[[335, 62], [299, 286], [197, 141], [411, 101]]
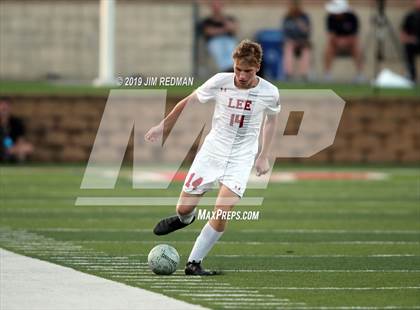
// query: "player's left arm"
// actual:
[[269, 129]]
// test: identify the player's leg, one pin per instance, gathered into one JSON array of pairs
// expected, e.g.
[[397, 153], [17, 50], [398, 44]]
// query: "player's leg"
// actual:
[[329, 56], [411, 50], [211, 232], [304, 62], [185, 210], [356, 53], [288, 59], [199, 180]]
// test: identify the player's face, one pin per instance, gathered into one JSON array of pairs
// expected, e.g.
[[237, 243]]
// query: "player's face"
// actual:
[[245, 74]]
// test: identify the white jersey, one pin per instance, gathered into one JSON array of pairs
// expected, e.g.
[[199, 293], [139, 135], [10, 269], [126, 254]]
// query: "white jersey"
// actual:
[[237, 116]]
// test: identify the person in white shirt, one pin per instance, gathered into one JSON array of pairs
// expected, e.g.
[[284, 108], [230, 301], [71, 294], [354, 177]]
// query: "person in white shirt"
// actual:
[[243, 101]]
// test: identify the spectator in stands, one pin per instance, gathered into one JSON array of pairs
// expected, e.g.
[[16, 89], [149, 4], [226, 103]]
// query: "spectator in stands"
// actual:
[[219, 31], [13, 146], [410, 37], [297, 30], [343, 40]]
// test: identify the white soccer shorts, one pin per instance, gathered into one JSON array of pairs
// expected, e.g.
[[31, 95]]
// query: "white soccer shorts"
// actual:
[[206, 170]]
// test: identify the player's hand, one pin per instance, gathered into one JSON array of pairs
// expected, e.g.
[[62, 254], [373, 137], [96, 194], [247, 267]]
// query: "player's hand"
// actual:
[[154, 133], [262, 165]]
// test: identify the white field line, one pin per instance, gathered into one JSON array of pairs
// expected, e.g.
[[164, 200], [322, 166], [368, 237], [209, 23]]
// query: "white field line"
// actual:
[[307, 256], [242, 299], [253, 307], [104, 263], [352, 308], [386, 288], [259, 242], [385, 207], [204, 285], [222, 295], [298, 231], [160, 281], [226, 290], [277, 211], [153, 281], [155, 201], [251, 304], [160, 175], [124, 268], [317, 256], [331, 231], [327, 270]]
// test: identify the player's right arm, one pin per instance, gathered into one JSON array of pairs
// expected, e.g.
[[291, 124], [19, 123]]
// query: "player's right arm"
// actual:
[[203, 94], [156, 132]]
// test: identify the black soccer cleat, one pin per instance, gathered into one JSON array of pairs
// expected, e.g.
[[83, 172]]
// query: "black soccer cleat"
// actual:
[[169, 224], [194, 269]]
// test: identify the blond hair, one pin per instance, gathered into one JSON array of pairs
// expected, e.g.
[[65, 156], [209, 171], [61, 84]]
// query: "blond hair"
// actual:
[[248, 51]]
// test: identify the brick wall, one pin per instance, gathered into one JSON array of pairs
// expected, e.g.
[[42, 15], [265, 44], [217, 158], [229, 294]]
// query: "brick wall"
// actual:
[[63, 129]]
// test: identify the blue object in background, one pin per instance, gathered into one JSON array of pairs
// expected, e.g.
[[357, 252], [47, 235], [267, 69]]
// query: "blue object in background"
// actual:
[[271, 41], [7, 142]]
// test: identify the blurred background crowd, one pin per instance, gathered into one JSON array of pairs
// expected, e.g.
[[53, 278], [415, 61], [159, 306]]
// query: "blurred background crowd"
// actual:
[[289, 49], [308, 43], [318, 40]]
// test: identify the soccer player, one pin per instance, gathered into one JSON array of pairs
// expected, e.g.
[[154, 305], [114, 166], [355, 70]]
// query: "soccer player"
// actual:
[[243, 101]]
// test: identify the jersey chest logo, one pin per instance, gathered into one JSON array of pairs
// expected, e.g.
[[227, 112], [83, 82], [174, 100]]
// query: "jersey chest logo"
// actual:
[[240, 104]]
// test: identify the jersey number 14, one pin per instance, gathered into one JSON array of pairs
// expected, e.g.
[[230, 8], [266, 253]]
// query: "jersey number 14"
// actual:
[[237, 118]]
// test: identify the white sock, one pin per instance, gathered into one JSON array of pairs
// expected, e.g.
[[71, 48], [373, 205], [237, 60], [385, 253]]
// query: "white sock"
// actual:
[[186, 218], [204, 242]]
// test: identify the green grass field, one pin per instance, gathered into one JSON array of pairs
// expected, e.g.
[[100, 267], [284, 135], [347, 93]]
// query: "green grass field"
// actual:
[[317, 244], [344, 90]]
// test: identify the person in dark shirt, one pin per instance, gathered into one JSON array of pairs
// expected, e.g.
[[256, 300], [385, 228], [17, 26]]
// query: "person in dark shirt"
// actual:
[[219, 31], [296, 30], [343, 29], [13, 146], [410, 38]]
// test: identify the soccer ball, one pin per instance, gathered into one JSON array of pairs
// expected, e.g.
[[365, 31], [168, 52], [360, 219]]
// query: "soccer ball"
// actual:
[[163, 259]]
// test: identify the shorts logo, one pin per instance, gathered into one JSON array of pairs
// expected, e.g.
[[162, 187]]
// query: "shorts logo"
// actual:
[[195, 183]]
